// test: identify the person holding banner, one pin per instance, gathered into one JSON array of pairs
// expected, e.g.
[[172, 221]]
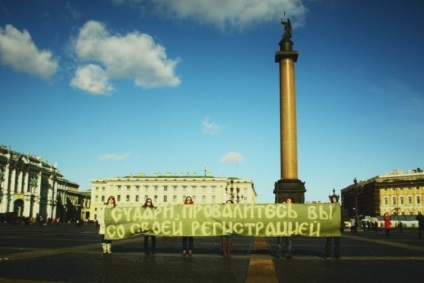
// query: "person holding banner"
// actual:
[[285, 242], [188, 241], [334, 200], [106, 244], [149, 205], [226, 240]]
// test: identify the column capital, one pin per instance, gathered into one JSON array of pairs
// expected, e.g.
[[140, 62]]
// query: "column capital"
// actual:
[[281, 55]]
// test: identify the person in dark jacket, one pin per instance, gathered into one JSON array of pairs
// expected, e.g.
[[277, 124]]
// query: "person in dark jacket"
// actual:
[[334, 199], [285, 243], [149, 205]]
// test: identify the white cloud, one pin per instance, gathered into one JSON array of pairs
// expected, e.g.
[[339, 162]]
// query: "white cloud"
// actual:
[[228, 13], [210, 128], [93, 79], [232, 157], [113, 157], [135, 56], [19, 52], [119, 2]]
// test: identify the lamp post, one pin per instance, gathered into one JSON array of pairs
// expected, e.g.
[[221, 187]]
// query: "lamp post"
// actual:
[[355, 191], [334, 195]]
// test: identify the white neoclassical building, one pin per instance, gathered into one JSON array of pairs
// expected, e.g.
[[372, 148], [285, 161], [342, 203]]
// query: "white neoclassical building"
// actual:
[[170, 189], [31, 189]]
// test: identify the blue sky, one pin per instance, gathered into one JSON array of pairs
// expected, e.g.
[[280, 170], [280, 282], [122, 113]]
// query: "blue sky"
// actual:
[[114, 87]]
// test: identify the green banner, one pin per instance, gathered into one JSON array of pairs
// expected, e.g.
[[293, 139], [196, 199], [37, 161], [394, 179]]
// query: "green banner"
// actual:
[[258, 220]]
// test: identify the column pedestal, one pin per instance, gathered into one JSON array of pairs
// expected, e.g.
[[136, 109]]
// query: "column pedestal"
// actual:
[[285, 188]]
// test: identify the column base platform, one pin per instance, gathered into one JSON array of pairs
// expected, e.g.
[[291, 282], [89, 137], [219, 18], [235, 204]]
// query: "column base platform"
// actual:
[[285, 188]]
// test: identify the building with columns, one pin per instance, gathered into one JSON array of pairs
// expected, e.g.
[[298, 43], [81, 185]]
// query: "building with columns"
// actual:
[[398, 193], [31, 189], [170, 189]]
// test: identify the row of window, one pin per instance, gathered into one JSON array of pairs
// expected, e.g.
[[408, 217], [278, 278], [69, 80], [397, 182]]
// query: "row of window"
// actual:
[[156, 187], [401, 189], [155, 198], [401, 200]]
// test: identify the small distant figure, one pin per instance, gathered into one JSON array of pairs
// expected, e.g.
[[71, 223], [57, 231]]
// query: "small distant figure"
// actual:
[[376, 226], [334, 200], [353, 226], [420, 219], [364, 225], [387, 223]]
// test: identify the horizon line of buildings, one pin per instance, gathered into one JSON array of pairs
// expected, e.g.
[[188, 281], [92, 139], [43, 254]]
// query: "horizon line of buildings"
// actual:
[[33, 188]]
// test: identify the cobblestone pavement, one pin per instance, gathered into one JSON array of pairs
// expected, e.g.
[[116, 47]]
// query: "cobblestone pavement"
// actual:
[[65, 253]]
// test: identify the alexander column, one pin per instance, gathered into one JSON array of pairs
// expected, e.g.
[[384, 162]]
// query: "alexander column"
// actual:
[[289, 185]]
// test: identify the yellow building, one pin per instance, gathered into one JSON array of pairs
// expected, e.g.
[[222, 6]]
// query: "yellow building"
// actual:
[[170, 189], [401, 193], [398, 193]]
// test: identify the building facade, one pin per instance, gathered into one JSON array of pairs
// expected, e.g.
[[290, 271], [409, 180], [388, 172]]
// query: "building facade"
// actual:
[[31, 190], [398, 193], [170, 189]]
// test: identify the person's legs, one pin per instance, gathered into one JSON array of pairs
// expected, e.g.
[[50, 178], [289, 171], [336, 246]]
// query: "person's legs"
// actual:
[[190, 245], [153, 244], [337, 247], [228, 245], [109, 246], [185, 245], [279, 246], [104, 245], [224, 245], [288, 246], [328, 247], [146, 245]]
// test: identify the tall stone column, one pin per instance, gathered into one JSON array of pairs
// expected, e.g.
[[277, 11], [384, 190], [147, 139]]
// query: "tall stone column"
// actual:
[[289, 185]]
